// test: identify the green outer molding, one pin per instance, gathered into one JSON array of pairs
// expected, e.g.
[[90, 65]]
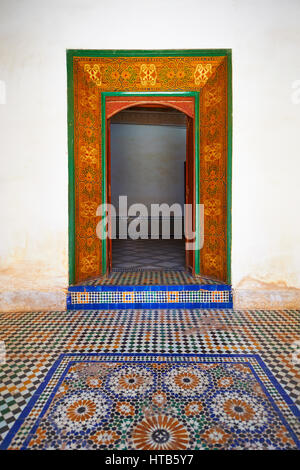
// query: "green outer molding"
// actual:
[[148, 53], [229, 165], [71, 169], [195, 95], [71, 53]]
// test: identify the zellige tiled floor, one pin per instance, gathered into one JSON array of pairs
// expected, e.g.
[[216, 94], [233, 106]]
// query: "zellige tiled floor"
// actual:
[[34, 341]]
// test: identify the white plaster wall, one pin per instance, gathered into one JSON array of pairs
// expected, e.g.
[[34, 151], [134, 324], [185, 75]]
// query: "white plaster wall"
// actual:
[[34, 35], [147, 164]]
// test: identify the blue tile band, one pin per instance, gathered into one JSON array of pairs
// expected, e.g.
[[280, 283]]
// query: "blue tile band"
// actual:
[[119, 297]]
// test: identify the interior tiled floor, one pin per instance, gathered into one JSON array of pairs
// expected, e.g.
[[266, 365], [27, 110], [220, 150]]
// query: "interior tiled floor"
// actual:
[[148, 254], [149, 262], [149, 278], [34, 341]]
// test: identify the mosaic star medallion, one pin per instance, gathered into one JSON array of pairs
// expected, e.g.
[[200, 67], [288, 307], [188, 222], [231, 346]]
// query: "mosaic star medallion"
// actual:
[[157, 402]]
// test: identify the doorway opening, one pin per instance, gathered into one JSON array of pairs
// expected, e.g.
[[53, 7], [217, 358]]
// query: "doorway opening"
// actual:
[[148, 160]]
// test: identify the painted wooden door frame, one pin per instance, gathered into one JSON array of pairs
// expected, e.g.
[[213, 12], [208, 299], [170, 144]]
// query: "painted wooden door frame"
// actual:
[[208, 55], [140, 95], [192, 178]]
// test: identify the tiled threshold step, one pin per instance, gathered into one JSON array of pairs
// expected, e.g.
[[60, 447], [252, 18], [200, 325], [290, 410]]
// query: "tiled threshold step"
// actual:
[[104, 297]]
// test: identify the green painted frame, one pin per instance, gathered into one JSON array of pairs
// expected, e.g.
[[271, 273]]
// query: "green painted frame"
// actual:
[[70, 113], [193, 94]]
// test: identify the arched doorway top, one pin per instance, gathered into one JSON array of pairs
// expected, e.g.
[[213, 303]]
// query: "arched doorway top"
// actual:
[[115, 104]]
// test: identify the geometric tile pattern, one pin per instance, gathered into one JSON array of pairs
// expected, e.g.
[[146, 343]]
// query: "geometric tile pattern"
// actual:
[[144, 264], [148, 254], [147, 402], [150, 277], [147, 297], [35, 340]]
